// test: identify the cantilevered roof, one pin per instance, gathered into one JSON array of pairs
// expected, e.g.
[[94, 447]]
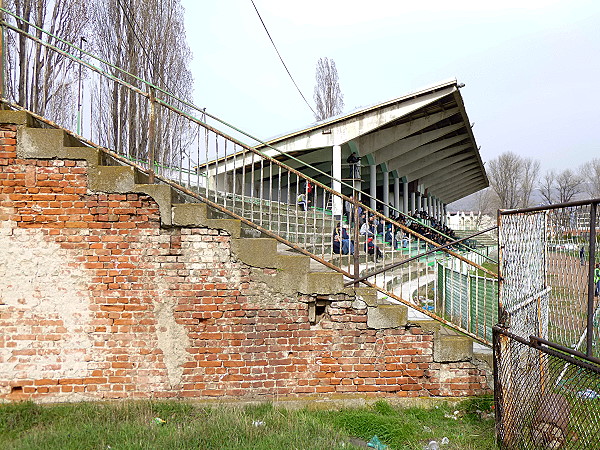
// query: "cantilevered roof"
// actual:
[[424, 136]]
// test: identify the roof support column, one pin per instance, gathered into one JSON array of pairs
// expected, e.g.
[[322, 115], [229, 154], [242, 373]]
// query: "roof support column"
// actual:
[[418, 206], [386, 193], [397, 196], [373, 186], [405, 209], [413, 201], [337, 175]]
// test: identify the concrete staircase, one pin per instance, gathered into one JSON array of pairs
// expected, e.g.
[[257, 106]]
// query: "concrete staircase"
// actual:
[[487, 239], [296, 272]]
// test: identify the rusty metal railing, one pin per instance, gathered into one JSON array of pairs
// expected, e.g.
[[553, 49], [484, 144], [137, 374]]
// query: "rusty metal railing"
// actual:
[[407, 260], [546, 351], [548, 273]]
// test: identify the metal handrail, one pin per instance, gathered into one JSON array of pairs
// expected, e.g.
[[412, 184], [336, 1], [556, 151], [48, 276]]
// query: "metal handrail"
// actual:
[[420, 255], [203, 111], [255, 176]]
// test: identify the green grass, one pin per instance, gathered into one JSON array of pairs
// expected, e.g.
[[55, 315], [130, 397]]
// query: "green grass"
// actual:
[[492, 267], [131, 425]]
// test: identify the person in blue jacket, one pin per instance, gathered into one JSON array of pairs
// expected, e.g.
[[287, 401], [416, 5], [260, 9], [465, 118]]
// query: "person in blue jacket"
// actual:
[[342, 244]]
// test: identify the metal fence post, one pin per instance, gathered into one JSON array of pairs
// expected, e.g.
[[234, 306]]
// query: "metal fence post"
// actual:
[[591, 284]]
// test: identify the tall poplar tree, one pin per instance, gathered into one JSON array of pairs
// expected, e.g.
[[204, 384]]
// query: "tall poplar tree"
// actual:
[[39, 79], [146, 38], [328, 96]]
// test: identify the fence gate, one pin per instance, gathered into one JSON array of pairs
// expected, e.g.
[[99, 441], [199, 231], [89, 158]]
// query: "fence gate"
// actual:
[[546, 361]]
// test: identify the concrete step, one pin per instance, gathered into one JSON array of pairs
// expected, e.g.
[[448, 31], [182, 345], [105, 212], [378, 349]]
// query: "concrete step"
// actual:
[[295, 272]]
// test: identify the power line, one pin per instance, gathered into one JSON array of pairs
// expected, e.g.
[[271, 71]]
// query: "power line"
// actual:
[[281, 59]]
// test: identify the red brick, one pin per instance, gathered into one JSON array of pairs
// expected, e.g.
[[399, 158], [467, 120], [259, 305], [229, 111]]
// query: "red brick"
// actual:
[[236, 344]]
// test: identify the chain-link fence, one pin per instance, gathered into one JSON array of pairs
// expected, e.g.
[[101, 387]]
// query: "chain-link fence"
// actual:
[[546, 399], [546, 356]]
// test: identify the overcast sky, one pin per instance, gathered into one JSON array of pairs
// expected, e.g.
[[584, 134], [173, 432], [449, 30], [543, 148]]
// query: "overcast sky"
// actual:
[[531, 67]]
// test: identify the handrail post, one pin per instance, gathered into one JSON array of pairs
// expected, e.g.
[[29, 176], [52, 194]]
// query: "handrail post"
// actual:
[[151, 132], [591, 284], [356, 256], [2, 55]]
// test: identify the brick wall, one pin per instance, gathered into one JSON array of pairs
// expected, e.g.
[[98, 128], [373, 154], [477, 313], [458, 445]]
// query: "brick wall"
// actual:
[[97, 301]]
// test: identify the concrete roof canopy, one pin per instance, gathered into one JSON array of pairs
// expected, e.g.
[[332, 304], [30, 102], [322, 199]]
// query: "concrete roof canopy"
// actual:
[[424, 137]]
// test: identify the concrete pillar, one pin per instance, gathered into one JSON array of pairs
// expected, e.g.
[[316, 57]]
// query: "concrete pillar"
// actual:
[[419, 205], [337, 173], [397, 196], [373, 186], [386, 193], [405, 197], [413, 201]]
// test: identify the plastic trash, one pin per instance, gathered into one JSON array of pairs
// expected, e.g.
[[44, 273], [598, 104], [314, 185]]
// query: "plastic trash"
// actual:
[[433, 445], [258, 423], [588, 393], [445, 441], [376, 444], [426, 429], [159, 421]]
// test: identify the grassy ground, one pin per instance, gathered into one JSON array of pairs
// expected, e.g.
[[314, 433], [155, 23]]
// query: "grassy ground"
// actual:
[[133, 425]]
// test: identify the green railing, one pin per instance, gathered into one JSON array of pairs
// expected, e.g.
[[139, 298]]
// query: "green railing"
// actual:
[[171, 140]]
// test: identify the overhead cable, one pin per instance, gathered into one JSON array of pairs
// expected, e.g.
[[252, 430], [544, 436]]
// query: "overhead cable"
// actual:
[[281, 59]]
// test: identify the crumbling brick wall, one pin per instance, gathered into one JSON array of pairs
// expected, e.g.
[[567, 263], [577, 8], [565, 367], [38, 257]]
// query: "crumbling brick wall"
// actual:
[[97, 301]]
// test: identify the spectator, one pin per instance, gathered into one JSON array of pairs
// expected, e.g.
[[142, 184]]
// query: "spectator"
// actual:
[[354, 161], [390, 236], [366, 228], [302, 202], [373, 249], [341, 242]]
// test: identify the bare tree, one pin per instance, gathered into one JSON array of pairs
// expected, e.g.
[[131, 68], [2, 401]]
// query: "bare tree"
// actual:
[[513, 177], [590, 173], [547, 187], [145, 38], [484, 203], [328, 95], [503, 173], [568, 185], [561, 187], [37, 78], [530, 172]]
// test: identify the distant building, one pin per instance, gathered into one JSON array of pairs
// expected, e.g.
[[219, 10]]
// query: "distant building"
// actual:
[[469, 220]]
